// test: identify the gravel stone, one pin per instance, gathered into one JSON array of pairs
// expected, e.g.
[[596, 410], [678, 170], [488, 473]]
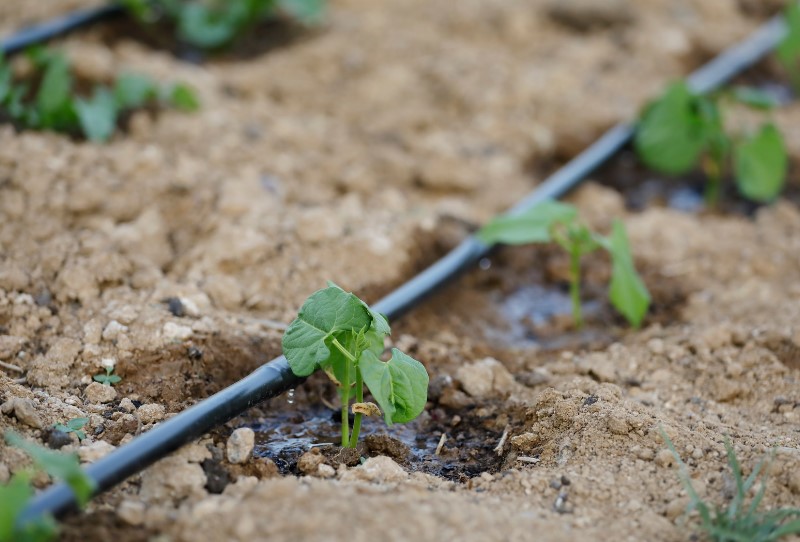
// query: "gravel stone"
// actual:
[[240, 445], [24, 410], [94, 451], [100, 393], [151, 413]]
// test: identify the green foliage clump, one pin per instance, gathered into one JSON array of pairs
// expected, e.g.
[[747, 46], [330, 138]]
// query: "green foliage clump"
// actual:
[[109, 378], [18, 492], [682, 129], [552, 221], [75, 425], [788, 50], [48, 100], [337, 332], [739, 521], [213, 24]]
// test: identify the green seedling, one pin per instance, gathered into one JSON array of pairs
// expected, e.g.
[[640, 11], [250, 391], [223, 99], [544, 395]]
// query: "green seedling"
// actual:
[[16, 495], [553, 221], [214, 24], [682, 129], [47, 100], [739, 521], [75, 425], [109, 378], [337, 332], [788, 50]]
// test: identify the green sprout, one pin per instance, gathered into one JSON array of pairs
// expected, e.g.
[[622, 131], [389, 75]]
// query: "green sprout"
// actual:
[[52, 104], [214, 24], [553, 221], [108, 379], [739, 521], [75, 425], [682, 129], [788, 50], [337, 332], [16, 495]]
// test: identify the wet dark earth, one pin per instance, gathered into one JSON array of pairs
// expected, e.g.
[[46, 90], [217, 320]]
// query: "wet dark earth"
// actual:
[[455, 444]]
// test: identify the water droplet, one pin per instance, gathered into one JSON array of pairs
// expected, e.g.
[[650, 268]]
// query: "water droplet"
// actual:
[[290, 396], [485, 263]]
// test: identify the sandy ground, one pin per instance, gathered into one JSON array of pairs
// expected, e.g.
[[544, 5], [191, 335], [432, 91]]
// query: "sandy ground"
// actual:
[[358, 152]]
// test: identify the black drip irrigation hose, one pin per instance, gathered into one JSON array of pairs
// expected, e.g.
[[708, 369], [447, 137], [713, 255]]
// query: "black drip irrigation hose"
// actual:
[[275, 377], [57, 27]]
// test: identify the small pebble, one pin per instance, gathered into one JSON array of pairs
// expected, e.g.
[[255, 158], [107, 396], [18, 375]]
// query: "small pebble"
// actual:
[[127, 405], [94, 451], [100, 393], [24, 410], [57, 439], [131, 512], [176, 332], [151, 413], [325, 471], [664, 458], [240, 445], [113, 330]]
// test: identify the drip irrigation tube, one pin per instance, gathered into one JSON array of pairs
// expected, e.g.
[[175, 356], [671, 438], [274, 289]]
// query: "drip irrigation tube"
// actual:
[[276, 377], [57, 27]]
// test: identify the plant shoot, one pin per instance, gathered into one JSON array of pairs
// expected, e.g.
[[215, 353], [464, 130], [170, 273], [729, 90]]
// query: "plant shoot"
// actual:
[[338, 333], [681, 130], [553, 221]]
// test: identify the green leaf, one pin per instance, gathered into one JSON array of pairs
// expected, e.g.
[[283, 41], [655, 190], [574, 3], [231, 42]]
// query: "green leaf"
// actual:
[[324, 313], [305, 11], [201, 27], [58, 465], [5, 81], [671, 134], [98, 116], [400, 386], [183, 98], [760, 164], [788, 50], [533, 226], [14, 496], [627, 292], [753, 97], [77, 423], [132, 90], [54, 92]]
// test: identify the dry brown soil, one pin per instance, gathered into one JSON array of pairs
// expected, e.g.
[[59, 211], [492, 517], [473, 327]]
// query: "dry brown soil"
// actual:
[[358, 152]]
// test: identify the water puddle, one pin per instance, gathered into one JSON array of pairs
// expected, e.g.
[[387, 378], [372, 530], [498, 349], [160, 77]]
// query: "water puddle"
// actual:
[[284, 435]]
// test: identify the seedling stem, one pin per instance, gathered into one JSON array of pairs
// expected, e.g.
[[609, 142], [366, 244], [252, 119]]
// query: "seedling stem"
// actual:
[[575, 286]]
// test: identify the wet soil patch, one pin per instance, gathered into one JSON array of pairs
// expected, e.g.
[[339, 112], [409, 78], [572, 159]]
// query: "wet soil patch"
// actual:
[[518, 298], [285, 432]]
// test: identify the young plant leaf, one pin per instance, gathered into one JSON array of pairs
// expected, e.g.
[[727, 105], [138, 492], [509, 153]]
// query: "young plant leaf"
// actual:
[[183, 98], [98, 115], [533, 226], [132, 90], [627, 292], [788, 50], [671, 133], [753, 97], [77, 423], [54, 91], [325, 312], [760, 164], [201, 27], [58, 465], [305, 11], [400, 385]]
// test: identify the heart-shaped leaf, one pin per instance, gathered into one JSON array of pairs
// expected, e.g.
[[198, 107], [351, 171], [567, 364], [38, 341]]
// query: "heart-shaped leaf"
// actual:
[[627, 292], [324, 313], [400, 385]]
